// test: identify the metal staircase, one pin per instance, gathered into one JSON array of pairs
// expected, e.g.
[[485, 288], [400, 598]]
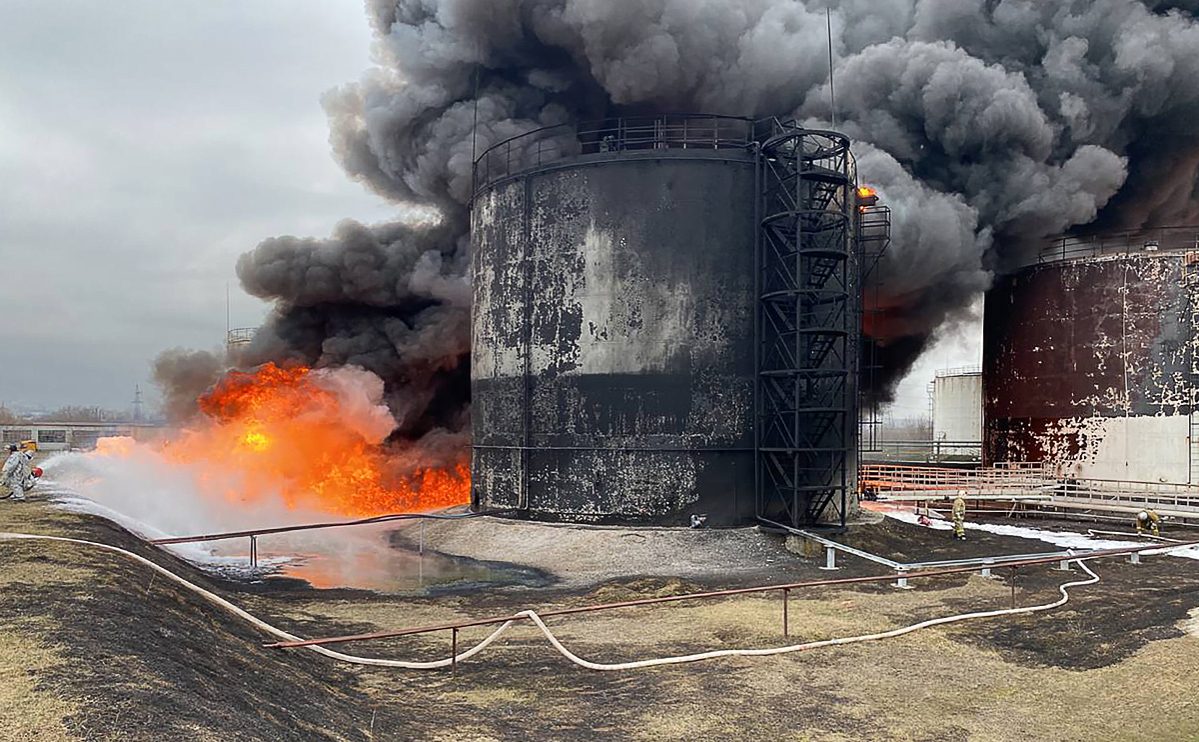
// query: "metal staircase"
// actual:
[[808, 324]]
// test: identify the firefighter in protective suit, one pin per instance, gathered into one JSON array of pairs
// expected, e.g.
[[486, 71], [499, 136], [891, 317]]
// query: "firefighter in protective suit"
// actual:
[[17, 474], [1148, 519], [959, 518]]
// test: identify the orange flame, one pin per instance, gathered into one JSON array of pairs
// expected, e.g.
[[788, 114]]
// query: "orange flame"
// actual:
[[276, 432], [120, 446]]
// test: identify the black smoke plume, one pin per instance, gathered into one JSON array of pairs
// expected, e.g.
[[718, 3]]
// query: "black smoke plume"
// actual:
[[183, 375], [986, 125]]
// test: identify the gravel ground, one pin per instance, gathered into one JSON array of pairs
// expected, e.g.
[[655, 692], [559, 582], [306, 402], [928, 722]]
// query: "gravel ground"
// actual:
[[580, 556]]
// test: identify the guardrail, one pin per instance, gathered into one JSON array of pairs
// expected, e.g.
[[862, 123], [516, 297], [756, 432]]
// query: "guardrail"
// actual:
[[1164, 239], [883, 480], [972, 370], [240, 335], [925, 452], [253, 534], [1027, 482], [784, 590], [1159, 495], [553, 143]]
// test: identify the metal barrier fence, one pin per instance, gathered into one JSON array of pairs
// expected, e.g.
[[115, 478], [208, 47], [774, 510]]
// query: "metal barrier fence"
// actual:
[[553, 143]]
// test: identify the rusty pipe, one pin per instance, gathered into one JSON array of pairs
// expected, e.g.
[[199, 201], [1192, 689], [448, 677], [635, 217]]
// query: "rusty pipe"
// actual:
[[312, 526]]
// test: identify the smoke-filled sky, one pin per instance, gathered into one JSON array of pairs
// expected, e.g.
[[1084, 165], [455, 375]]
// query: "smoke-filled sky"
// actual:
[[144, 146], [986, 124]]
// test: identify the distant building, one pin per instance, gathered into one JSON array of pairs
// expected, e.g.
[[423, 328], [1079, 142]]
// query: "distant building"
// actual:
[[63, 436]]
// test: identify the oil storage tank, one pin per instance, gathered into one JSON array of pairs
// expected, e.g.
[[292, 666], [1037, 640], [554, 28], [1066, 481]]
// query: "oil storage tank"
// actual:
[[618, 354], [1089, 360]]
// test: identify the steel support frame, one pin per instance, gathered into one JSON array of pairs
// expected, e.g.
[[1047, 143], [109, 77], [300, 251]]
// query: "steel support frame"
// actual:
[[873, 228], [808, 325]]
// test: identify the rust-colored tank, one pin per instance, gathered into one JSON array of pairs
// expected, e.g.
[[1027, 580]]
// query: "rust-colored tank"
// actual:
[[1089, 359]]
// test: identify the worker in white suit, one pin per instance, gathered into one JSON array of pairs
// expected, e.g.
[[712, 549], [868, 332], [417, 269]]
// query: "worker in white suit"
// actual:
[[17, 473]]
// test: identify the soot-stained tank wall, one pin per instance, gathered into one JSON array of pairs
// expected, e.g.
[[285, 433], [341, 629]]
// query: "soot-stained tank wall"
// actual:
[[1087, 365], [613, 339]]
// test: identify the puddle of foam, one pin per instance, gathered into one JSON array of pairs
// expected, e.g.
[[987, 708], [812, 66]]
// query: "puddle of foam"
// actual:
[[360, 557]]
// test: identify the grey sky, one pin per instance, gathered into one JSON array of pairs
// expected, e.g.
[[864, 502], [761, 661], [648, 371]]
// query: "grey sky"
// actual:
[[143, 147]]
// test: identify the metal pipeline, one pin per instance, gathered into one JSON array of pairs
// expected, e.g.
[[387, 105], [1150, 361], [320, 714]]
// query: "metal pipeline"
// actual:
[[334, 524], [1093, 532], [910, 566]]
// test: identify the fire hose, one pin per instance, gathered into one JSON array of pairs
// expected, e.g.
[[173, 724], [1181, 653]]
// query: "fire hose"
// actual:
[[553, 640]]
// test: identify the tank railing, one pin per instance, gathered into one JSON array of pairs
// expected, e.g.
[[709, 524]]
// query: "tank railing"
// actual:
[[972, 370], [240, 335], [553, 143], [926, 451], [1162, 239], [819, 143]]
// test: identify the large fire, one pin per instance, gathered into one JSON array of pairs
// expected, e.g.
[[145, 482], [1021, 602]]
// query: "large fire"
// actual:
[[280, 432]]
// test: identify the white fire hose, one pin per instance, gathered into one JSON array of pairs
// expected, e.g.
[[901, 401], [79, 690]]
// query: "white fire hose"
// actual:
[[355, 659]]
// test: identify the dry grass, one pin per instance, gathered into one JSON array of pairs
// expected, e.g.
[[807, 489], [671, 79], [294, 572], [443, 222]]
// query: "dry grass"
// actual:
[[945, 683], [921, 687], [27, 713]]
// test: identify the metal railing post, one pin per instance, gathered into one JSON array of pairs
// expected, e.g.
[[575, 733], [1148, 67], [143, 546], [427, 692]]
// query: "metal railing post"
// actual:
[[786, 597], [453, 650], [254, 551], [830, 559]]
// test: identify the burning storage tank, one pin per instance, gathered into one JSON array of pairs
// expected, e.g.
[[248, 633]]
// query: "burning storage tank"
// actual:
[[627, 305], [1089, 359]]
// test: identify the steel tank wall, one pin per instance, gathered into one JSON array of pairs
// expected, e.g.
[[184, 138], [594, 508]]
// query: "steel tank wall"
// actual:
[[1088, 366], [612, 372], [958, 412]]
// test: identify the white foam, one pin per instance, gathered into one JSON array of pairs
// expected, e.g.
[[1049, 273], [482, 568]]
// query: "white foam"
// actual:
[[156, 498], [1064, 539]]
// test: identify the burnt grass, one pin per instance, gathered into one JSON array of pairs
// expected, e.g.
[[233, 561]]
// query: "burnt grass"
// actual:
[[147, 660]]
